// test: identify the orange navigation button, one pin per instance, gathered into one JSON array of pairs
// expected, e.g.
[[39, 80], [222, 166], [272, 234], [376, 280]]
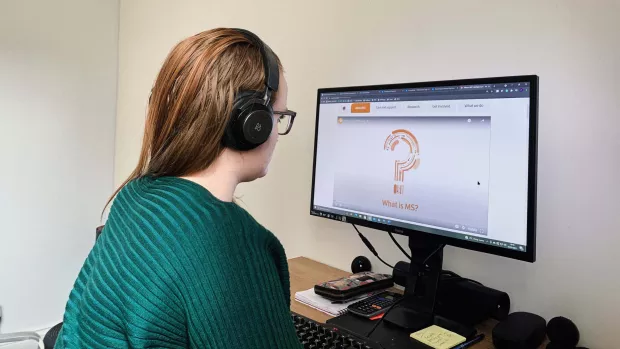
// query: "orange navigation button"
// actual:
[[360, 108]]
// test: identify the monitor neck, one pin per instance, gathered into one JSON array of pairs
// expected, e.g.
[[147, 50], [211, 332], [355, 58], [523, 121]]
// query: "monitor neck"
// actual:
[[417, 309], [423, 276]]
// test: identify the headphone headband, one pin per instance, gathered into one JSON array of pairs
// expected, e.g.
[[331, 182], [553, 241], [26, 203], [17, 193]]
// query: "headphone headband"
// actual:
[[270, 64]]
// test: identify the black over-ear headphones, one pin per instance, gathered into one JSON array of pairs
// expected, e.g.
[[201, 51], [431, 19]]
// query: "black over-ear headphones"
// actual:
[[251, 120]]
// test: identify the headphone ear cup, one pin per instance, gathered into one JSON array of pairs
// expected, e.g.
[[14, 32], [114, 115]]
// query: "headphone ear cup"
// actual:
[[250, 124], [255, 125]]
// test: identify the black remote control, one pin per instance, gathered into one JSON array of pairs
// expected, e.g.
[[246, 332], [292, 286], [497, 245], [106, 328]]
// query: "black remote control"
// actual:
[[374, 305]]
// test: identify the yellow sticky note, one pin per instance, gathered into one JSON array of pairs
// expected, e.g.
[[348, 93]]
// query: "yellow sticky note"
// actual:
[[438, 338]]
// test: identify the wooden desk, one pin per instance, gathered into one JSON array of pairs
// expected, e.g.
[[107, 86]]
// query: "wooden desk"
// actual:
[[305, 273]]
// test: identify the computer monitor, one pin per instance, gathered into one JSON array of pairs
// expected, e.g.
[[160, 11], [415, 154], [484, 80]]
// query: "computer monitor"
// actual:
[[452, 162]]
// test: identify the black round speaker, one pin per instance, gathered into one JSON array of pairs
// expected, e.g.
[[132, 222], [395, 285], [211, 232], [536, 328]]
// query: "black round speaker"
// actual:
[[519, 330], [562, 333], [360, 264]]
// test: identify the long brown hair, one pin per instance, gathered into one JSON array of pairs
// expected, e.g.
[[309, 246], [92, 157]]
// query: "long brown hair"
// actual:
[[191, 102]]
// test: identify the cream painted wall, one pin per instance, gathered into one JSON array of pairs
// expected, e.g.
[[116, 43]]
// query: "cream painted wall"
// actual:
[[572, 45], [58, 66]]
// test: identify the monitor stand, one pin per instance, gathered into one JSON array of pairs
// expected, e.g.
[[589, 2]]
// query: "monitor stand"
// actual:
[[417, 310]]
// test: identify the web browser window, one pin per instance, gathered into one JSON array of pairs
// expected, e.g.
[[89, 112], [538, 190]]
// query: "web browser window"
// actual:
[[447, 160]]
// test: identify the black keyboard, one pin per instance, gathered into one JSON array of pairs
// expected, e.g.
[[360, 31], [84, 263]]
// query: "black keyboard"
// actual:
[[314, 335]]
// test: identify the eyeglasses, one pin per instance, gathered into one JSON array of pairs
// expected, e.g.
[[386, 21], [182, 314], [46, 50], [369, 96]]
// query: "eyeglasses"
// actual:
[[285, 121]]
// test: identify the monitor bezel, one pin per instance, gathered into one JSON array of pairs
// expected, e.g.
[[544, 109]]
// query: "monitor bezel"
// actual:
[[529, 255]]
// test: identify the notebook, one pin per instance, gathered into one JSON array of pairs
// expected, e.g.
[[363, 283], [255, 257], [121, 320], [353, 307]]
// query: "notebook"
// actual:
[[438, 337], [324, 305]]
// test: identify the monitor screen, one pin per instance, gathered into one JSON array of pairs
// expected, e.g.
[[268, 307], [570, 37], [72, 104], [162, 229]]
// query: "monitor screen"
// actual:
[[453, 159]]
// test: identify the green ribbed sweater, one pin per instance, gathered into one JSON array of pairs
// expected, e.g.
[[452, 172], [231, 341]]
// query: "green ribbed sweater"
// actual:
[[177, 268]]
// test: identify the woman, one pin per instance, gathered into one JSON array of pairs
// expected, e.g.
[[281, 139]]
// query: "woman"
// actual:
[[179, 264]]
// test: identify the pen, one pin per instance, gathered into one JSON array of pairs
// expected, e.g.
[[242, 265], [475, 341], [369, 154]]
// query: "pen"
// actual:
[[473, 341]]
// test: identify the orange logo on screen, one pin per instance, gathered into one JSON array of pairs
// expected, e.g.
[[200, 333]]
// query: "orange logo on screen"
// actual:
[[411, 162]]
